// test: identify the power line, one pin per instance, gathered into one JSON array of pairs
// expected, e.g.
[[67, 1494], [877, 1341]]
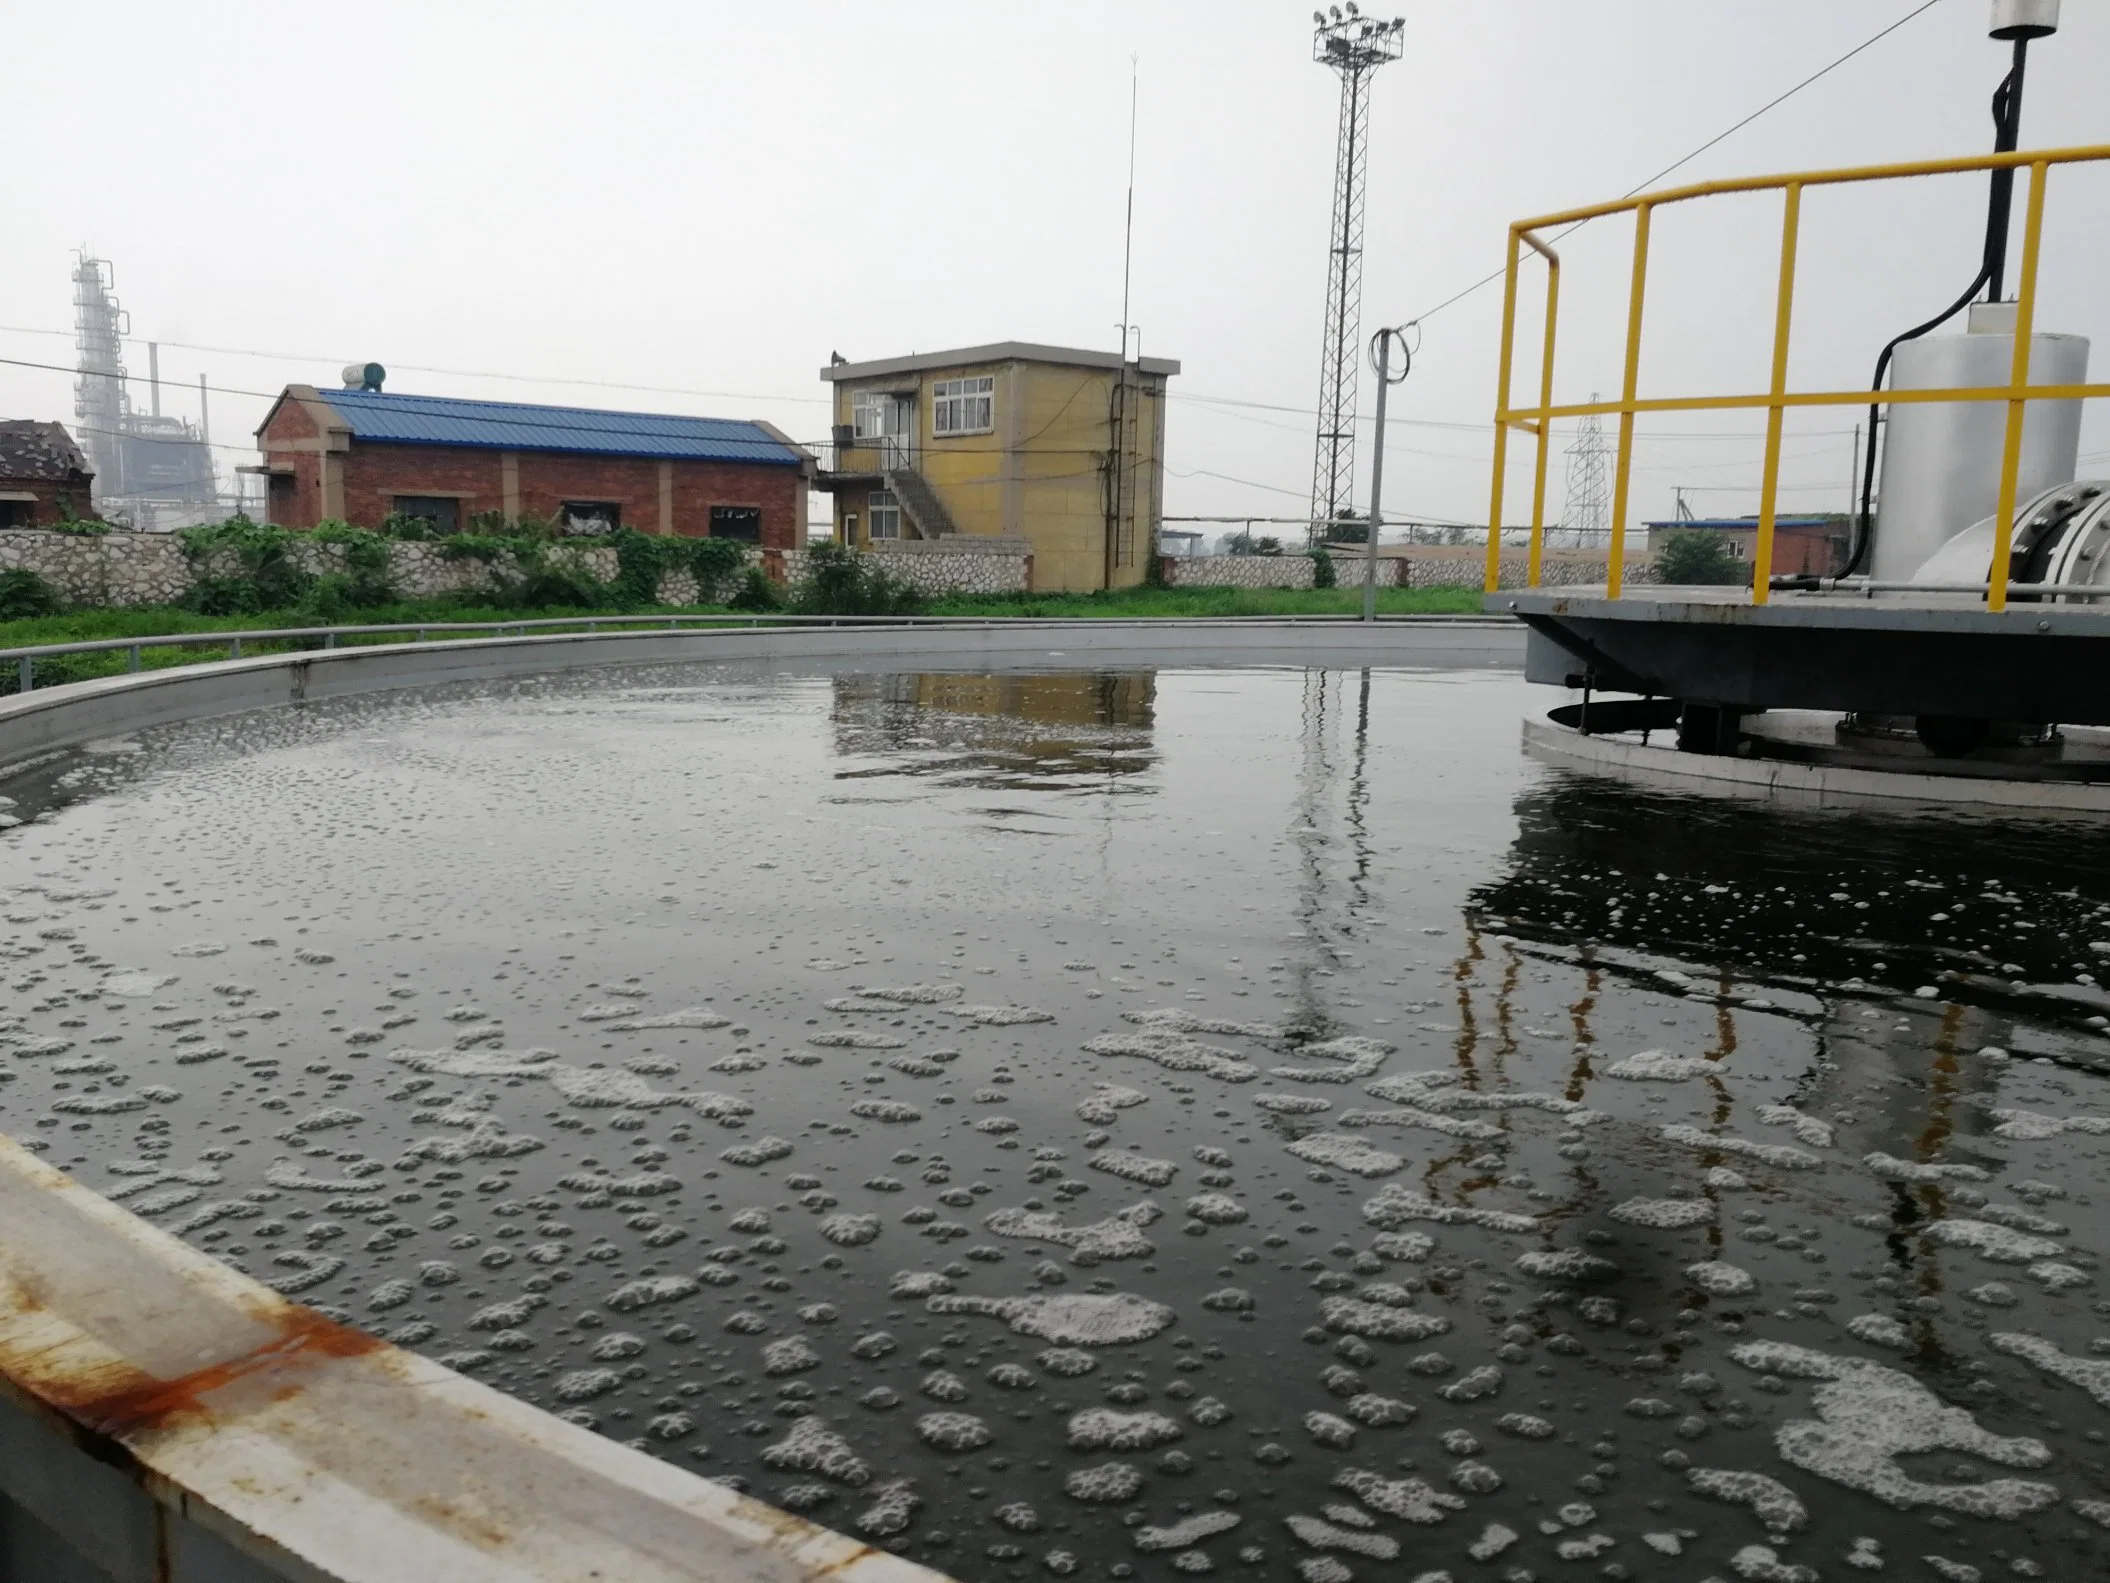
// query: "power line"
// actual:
[[1771, 104]]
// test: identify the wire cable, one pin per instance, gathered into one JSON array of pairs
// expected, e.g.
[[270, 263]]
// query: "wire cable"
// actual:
[[1722, 136]]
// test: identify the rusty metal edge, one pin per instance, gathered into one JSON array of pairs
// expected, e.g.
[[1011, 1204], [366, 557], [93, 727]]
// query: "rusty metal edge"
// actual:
[[150, 1428]]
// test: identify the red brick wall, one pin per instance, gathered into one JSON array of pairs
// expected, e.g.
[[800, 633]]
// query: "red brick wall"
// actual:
[[374, 474], [45, 510]]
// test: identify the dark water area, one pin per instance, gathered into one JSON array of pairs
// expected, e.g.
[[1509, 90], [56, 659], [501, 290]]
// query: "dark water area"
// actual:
[[1125, 1124]]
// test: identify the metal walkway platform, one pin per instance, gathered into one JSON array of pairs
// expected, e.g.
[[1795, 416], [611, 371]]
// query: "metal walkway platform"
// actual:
[[1917, 654]]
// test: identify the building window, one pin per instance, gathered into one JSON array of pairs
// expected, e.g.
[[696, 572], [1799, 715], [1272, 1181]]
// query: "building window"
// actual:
[[963, 406], [1738, 550], [17, 513], [885, 514], [868, 413], [737, 522], [442, 512], [591, 516]]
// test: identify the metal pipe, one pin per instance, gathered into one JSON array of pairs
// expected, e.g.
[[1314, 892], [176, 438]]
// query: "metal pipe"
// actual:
[[1493, 579], [1783, 311], [1622, 477], [2025, 319]]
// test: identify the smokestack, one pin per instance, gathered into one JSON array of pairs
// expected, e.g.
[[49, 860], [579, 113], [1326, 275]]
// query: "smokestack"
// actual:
[[154, 373]]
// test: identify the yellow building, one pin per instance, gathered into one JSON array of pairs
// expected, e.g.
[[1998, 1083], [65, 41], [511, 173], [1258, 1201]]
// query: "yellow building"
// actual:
[[1062, 449]]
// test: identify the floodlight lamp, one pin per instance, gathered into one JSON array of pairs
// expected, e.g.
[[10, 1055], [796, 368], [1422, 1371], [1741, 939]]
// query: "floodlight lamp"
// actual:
[[1352, 12], [1319, 17], [1336, 10]]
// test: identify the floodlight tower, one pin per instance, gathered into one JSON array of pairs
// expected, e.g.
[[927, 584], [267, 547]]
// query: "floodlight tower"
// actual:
[[1354, 46]]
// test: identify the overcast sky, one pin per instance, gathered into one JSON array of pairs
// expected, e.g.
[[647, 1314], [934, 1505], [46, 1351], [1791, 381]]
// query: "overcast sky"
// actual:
[[554, 202]]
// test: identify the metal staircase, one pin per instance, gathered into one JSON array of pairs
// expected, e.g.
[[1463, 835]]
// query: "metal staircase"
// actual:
[[920, 503]]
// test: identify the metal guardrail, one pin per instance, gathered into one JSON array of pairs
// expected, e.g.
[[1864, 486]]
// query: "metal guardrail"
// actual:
[[26, 656], [1538, 420]]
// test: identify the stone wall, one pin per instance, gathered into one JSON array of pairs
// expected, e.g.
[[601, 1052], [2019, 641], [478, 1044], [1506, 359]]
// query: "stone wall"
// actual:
[[1465, 566], [114, 569], [1239, 571]]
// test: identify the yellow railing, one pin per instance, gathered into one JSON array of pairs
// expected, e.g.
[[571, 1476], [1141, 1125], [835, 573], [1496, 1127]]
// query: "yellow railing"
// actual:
[[1538, 420]]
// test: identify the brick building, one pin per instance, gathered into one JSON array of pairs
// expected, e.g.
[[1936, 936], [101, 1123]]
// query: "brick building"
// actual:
[[43, 476], [360, 456]]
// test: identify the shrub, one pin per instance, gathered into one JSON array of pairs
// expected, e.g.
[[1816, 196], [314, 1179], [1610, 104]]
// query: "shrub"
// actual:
[[841, 582], [242, 567], [367, 579], [24, 593], [1323, 574], [1691, 557], [756, 592]]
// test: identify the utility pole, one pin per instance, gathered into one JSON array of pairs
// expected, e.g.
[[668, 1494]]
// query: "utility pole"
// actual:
[[1354, 46], [1381, 357]]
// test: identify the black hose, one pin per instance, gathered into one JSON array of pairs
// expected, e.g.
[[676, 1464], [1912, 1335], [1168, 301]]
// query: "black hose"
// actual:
[[1992, 269]]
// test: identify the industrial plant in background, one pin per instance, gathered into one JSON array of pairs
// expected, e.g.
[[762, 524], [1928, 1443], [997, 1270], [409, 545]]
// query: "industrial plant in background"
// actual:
[[152, 472]]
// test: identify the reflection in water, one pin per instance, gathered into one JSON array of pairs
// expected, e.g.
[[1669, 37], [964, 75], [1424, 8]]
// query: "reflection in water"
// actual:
[[1083, 731]]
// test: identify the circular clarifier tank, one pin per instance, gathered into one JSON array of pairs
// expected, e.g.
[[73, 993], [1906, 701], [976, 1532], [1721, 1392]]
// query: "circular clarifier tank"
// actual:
[[1121, 1120]]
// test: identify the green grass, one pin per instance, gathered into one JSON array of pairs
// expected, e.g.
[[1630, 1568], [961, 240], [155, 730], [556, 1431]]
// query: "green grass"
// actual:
[[85, 626]]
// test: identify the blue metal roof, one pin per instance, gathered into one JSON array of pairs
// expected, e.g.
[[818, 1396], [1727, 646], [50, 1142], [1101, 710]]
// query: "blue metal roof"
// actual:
[[517, 426]]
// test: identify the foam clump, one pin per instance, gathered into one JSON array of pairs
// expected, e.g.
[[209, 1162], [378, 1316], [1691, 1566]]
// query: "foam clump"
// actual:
[[1216, 1209], [1187, 1532], [2029, 1126], [1174, 1020], [1376, 1322], [1395, 1205], [650, 1290], [1659, 1066], [1869, 1415], [1000, 1016], [1663, 1214], [1718, 1279], [1118, 1236], [888, 1110], [687, 1017], [918, 1283], [477, 1063], [1771, 1501], [1321, 1535], [1106, 1429], [1345, 1154], [1106, 1484], [1998, 1244], [1891, 1169], [1782, 1156], [760, 1152], [790, 1356], [1807, 1129], [1103, 1106], [1077, 1319], [583, 1385], [856, 1039], [1879, 1330], [1566, 1264], [812, 1447], [1134, 1168], [1293, 1104], [1410, 1500], [2090, 1374], [850, 1231], [1175, 1053], [1358, 1058], [952, 1431]]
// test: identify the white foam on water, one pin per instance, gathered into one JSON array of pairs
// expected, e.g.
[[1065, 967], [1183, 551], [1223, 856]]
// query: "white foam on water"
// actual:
[[1345, 1154], [914, 994], [1891, 1169], [1377, 1322], [1293, 1104], [812, 1447], [1407, 1116], [850, 1231], [1879, 1330], [1807, 1129], [1718, 1279], [1106, 1429], [1566, 1264], [760, 1152], [2090, 1374], [1104, 1485], [1771, 1501], [687, 1017], [1188, 1531], [854, 1039], [477, 1063], [1327, 1536], [1077, 1319], [2029, 1126], [1216, 1209], [1660, 1066], [887, 1110], [893, 1507], [1868, 1415], [1664, 1214], [952, 1431], [1134, 1167], [1410, 1500], [791, 1355], [1118, 1236], [1175, 1053], [1102, 1107], [1780, 1155], [1403, 1247], [1395, 1205], [1000, 1016], [1174, 1020], [1999, 1244]]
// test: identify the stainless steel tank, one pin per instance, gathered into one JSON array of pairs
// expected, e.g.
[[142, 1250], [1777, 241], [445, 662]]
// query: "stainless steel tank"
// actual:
[[1941, 460]]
